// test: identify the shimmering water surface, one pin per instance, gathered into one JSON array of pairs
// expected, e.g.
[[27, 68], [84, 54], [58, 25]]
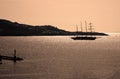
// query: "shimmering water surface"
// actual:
[[59, 57]]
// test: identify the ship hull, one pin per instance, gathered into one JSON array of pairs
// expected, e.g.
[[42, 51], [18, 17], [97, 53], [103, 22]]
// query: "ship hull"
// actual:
[[83, 38]]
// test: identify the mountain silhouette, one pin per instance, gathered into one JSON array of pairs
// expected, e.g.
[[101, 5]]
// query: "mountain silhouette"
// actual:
[[9, 28]]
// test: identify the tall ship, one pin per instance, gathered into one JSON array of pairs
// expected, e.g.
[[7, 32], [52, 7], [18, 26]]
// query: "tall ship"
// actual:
[[84, 35]]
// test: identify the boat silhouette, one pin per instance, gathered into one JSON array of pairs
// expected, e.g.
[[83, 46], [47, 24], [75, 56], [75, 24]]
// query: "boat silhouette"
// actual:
[[13, 58], [84, 36]]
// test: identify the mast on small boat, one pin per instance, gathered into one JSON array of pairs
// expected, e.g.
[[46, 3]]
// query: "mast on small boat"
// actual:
[[14, 56]]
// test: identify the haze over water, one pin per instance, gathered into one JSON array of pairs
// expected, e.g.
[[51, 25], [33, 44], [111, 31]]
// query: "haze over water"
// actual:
[[65, 14], [59, 57]]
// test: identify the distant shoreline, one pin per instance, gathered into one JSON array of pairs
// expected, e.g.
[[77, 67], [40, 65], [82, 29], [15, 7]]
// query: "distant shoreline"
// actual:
[[8, 28], [49, 35]]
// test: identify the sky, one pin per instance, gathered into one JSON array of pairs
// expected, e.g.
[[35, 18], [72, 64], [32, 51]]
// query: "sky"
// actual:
[[65, 14]]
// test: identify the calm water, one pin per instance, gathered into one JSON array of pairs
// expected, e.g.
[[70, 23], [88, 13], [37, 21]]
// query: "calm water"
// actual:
[[60, 57]]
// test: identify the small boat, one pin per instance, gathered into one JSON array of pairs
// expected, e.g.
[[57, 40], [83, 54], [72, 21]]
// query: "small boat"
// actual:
[[11, 58], [14, 58], [84, 37]]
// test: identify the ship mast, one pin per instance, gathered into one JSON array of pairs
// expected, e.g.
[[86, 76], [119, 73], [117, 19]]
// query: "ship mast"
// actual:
[[81, 27], [90, 28], [86, 27], [77, 30]]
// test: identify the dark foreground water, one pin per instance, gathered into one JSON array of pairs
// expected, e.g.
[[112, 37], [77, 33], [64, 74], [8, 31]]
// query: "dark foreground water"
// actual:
[[61, 58]]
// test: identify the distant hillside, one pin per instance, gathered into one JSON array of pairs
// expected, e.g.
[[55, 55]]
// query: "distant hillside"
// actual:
[[8, 28]]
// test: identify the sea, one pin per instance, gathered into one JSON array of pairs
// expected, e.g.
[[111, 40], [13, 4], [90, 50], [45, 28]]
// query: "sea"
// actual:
[[60, 57]]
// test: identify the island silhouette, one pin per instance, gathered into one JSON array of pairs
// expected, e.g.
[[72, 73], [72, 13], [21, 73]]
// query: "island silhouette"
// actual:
[[9, 28]]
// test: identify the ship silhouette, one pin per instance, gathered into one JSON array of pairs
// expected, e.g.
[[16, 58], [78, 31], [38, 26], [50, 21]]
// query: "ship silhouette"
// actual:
[[85, 36]]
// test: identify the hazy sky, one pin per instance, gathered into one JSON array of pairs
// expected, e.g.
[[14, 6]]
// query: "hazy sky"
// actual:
[[104, 14]]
